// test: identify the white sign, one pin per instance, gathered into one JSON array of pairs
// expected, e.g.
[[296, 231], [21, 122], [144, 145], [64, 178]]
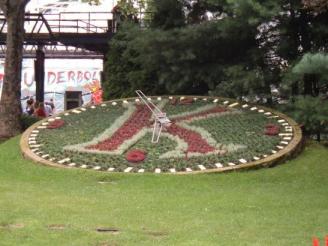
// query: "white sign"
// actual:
[[60, 75]]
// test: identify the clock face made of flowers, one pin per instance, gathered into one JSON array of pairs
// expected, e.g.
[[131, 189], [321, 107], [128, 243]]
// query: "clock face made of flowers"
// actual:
[[207, 134]]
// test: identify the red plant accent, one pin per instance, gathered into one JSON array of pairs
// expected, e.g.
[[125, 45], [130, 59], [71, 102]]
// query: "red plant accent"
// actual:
[[186, 101], [194, 140], [56, 124], [141, 118], [271, 130], [174, 101], [135, 156], [315, 242], [138, 120]]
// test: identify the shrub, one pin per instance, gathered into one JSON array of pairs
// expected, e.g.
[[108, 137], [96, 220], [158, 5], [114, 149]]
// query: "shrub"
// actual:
[[311, 113], [28, 120]]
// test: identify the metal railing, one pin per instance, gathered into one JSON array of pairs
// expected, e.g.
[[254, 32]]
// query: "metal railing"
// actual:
[[55, 51], [65, 22], [80, 22], [75, 22]]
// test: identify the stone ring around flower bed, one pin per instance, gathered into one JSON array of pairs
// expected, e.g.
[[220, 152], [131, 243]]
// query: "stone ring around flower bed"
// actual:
[[208, 134]]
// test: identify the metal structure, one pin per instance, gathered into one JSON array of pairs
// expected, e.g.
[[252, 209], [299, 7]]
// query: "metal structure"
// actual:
[[161, 120], [58, 51], [86, 30], [90, 31], [64, 35], [72, 31]]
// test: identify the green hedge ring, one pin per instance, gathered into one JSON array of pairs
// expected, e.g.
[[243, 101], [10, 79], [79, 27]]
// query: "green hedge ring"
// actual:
[[207, 134]]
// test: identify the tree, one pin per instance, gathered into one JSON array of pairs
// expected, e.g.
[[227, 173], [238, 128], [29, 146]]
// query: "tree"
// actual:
[[168, 14], [292, 32], [316, 5], [121, 67], [239, 82], [312, 113], [314, 66], [176, 57], [240, 48], [10, 106]]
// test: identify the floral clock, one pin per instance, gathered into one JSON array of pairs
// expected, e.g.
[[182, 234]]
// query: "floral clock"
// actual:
[[207, 134]]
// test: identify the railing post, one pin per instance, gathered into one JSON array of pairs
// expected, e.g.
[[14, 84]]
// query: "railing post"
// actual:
[[59, 18], [110, 26], [89, 22]]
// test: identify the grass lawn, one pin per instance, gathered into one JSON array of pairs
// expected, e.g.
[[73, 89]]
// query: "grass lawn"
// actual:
[[285, 205]]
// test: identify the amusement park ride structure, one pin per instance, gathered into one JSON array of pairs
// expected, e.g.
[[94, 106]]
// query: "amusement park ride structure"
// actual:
[[87, 30], [62, 35]]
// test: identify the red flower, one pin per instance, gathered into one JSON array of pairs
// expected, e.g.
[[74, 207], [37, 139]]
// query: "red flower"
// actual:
[[270, 125], [134, 124], [135, 156], [271, 130], [97, 96], [186, 101], [174, 101], [56, 124]]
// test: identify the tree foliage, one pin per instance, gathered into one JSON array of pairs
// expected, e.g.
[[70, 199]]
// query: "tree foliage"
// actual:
[[167, 14], [239, 48], [313, 64], [317, 6], [183, 57], [312, 113]]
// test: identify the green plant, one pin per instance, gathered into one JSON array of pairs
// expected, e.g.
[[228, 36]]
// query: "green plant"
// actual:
[[28, 120], [312, 113]]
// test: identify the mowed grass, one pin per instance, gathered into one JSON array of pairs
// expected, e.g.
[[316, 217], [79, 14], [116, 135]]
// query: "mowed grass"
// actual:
[[285, 205]]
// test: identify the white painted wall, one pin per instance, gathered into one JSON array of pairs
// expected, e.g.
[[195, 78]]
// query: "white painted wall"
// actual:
[[60, 75]]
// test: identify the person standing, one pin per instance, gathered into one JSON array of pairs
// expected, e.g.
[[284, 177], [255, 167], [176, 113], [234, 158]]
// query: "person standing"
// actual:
[[39, 110], [29, 110], [49, 107]]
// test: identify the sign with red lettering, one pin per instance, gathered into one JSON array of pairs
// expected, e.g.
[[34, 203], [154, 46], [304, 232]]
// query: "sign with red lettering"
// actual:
[[72, 77], [62, 75]]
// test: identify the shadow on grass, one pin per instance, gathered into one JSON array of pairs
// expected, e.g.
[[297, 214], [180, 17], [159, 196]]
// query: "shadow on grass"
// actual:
[[2, 140]]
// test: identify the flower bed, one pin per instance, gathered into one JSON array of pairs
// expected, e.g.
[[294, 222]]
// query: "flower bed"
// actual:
[[205, 134]]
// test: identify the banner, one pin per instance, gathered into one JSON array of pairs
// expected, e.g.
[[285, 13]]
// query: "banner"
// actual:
[[61, 75], [61, 80]]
